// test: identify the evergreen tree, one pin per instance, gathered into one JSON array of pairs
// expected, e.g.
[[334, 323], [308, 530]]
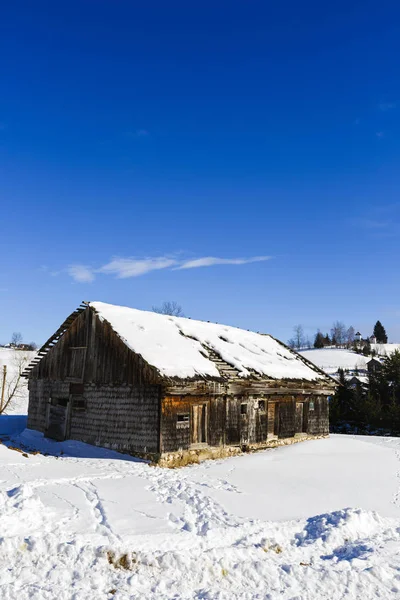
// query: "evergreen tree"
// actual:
[[357, 412], [327, 340], [390, 374], [319, 340], [380, 333], [342, 398], [367, 348]]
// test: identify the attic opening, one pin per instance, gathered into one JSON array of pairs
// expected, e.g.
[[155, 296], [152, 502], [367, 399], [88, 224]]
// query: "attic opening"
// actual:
[[77, 359]]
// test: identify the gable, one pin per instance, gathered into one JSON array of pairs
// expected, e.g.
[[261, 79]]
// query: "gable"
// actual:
[[89, 350]]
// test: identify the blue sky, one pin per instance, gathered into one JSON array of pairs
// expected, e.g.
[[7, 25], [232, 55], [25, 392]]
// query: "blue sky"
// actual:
[[138, 138]]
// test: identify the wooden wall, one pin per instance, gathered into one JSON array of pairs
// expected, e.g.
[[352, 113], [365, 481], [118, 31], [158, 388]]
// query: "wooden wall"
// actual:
[[124, 418], [91, 352], [228, 424]]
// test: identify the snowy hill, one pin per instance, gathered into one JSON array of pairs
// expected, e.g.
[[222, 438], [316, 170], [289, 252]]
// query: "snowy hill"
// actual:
[[332, 359], [88, 523], [385, 349]]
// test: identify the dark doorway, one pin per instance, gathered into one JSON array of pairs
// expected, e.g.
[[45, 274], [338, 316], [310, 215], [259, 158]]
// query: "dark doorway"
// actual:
[[57, 419]]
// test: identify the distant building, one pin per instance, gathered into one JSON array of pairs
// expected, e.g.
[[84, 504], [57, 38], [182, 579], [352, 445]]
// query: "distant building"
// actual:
[[354, 380], [358, 337], [374, 365]]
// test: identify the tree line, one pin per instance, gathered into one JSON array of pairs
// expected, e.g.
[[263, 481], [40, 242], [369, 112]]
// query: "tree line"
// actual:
[[373, 407], [340, 336]]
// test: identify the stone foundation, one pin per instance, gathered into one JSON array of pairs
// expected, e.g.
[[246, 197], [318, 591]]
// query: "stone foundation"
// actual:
[[181, 458]]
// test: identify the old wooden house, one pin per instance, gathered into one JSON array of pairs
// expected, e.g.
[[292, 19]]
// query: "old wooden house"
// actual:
[[146, 383]]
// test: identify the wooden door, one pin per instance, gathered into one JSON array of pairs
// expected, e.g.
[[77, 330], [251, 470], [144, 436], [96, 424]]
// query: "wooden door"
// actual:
[[199, 424], [57, 419], [299, 417], [271, 420]]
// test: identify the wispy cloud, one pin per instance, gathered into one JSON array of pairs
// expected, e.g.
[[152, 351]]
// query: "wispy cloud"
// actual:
[[81, 273], [124, 268], [209, 261], [385, 106], [132, 267]]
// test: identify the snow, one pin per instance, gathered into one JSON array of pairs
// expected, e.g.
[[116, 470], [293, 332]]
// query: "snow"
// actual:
[[319, 519], [178, 347], [332, 359], [14, 359], [385, 349]]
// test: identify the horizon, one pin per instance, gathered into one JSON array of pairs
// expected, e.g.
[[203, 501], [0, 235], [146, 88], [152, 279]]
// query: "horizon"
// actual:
[[239, 160]]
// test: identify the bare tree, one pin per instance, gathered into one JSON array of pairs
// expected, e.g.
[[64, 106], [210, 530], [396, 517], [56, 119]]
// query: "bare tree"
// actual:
[[12, 383], [338, 333], [298, 340], [16, 339], [169, 307], [350, 335]]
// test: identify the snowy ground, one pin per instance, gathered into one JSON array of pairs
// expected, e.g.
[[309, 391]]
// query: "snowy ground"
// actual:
[[332, 359], [316, 520]]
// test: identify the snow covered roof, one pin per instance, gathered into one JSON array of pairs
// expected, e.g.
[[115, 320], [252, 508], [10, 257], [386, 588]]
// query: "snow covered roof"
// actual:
[[184, 348]]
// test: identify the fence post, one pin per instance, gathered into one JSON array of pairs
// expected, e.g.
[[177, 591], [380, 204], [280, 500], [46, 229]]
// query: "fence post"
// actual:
[[3, 388]]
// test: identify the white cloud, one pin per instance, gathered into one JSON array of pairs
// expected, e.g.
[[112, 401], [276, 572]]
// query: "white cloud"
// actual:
[[81, 273], [132, 267], [209, 261], [124, 268]]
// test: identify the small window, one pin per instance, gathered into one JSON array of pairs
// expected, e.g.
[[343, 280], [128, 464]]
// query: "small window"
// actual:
[[76, 389], [311, 405], [243, 409], [183, 418], [261, 405], [78, 403], [182, 421]]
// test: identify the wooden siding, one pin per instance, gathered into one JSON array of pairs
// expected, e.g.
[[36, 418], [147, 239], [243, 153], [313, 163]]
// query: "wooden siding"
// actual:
[[124, 418], [283, 417], [90, 351]]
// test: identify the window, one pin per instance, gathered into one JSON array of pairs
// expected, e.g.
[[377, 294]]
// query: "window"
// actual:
[[78, 403], [76, 389], [261, 405], [243, 409], [182, 421], [311, 405]]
